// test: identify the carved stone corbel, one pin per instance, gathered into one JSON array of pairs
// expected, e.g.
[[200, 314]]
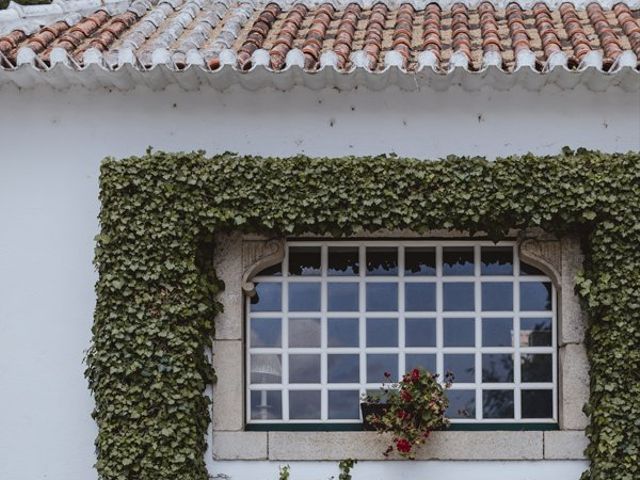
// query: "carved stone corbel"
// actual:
[[258, 255], [544, 253]]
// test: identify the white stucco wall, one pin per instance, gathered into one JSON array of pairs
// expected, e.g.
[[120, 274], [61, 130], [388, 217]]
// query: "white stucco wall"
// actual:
[[52, 144]]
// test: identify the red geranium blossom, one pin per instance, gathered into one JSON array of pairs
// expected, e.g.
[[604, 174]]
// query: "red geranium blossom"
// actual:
[[403, 445], [415, 375], [406, 395]]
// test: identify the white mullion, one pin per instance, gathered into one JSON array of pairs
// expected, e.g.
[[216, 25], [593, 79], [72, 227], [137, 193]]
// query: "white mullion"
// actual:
[[285, 336], [439, 320], [324, 307], [554, 344], [477, 293], [517, 363], [401, 356], [362, 308]]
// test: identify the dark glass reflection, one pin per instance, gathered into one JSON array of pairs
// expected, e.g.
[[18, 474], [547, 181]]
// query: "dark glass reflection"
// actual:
[[535, 296], [304, 404], [343, 261], [458, 297], [343, 332], [382, 261], [382, 297], [304, 260], [497, 368], [537, 367], [266, 332], [459, 332], [537, 404], [304, 368], [535, 332], [343, 368], [462, 366], [420, 297], [378, 364], [497, 296], [457, 261], [420, 332], [419, 261], [343, 297], [382, 332], [497, 332], [462, 404], [526, 269], [304, 332], [426, 361], [304, 297], [266, 404], [496, 261], [268, 297], [497, 403], [344, 404]]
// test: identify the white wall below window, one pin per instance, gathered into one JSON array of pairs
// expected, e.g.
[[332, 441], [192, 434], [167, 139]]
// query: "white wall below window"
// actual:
[[52, 144], [547, 470]]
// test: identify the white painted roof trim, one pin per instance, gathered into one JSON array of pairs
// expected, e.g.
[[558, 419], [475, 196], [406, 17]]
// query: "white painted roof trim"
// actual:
[[128, 74]]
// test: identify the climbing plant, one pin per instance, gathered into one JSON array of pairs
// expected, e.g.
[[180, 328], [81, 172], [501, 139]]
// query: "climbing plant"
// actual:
[[155, 309]]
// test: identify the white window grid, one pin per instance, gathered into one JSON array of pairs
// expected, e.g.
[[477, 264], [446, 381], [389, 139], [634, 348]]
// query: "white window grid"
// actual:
[[439, 314]]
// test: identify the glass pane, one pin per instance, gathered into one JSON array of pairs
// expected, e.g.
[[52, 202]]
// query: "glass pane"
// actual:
[[304, 404], [378, 364], [421, 360], [304, 260], [304, 332], [419, 261], [266, 332], [266, 368], [382, 332], [458, 297], [526, 269], [497, 332], [535, 332], [537, 404], [420, 332], [343, 261], [535, 296], [497, 368], [457, 261], [304, 368], [462, 404], [537, 367], [382, 261], [343, 368], [304, 297], [420, 297], [273, 271], [497, 403], [268, 297], [459, 332], [497, 296], [462, 365], [266, 404], [343, 297], [344, 404], [497, 261], [382, 297], [343, 332]]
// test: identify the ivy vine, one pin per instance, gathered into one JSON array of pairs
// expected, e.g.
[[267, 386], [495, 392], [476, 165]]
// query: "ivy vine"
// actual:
[[155, 309]]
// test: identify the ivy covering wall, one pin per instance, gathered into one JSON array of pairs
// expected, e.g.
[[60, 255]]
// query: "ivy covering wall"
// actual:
[[155, 295]]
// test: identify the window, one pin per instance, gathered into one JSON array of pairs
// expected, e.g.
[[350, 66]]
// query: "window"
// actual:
[[327, 323]]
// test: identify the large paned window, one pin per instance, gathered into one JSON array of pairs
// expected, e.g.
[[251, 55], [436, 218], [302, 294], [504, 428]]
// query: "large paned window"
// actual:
[[327, 323]]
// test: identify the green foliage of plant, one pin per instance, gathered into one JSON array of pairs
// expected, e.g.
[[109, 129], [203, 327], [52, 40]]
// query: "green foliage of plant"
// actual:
[[345, 467], [284, 472], [155, 305], [414, 407]]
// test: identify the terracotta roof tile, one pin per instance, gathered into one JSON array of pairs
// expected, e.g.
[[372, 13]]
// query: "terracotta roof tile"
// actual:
[[374, 36]]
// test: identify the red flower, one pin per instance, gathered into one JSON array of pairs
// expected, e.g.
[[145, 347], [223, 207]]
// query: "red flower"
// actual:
[[402, 414], [403, 445], [406, 395], [415, 375]]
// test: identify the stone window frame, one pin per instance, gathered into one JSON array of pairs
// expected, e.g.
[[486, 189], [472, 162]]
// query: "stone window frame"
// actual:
[[239, 257]]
